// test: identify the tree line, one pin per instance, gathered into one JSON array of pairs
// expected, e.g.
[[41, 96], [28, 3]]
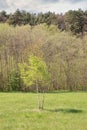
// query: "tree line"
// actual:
[[73, 20], [65, 56]]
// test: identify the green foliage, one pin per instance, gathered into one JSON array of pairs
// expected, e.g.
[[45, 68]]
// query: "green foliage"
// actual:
[[34, 70], [75, 21], [14, 81]]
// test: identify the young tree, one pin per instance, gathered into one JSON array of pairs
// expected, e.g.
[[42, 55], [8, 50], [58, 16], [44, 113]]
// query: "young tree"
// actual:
[[35, 72]]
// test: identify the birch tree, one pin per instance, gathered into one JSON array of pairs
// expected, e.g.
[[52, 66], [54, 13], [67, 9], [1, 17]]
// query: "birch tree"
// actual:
[[34, 73]]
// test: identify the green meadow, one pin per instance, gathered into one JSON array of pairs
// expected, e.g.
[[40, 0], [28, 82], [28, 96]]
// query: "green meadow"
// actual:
[[62, 111]]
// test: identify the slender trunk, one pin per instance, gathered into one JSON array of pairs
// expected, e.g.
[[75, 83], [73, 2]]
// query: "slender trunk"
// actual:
[[38, 95], [43, 101]]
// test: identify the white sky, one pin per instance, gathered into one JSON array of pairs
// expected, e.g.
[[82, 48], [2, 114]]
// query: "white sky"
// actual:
[[57, 6]]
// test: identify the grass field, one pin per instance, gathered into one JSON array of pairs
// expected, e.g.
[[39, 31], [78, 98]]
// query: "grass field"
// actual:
[[63, 111]]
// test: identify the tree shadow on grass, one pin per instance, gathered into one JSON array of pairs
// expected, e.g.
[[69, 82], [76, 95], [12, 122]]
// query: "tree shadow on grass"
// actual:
[[66, 110]]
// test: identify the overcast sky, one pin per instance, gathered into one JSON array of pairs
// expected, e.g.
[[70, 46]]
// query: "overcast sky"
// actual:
[[57, 6]]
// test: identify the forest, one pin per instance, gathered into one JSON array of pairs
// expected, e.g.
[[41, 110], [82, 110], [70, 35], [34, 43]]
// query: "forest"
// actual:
[[73, 20], [59, 39]]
